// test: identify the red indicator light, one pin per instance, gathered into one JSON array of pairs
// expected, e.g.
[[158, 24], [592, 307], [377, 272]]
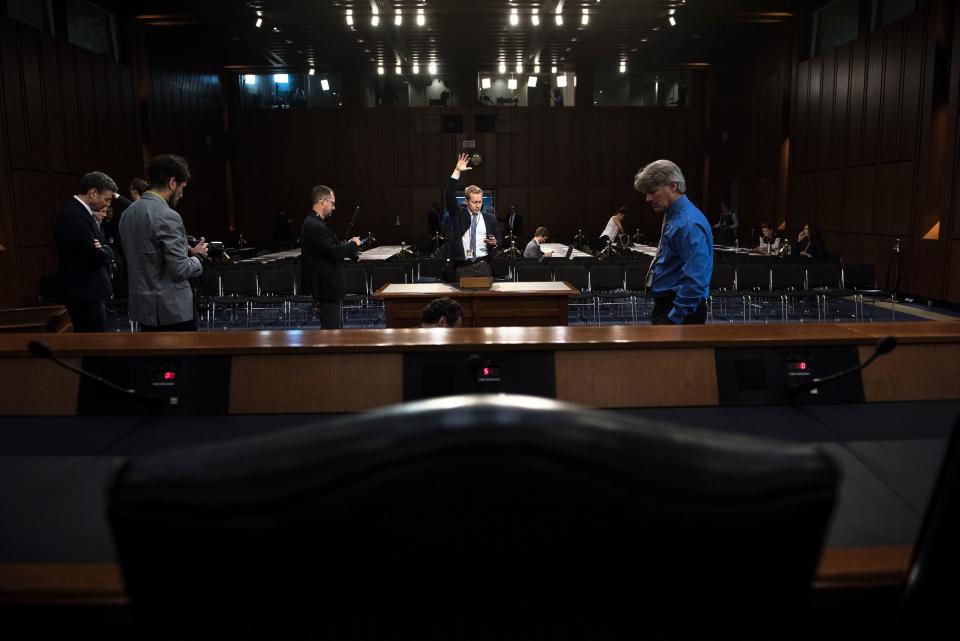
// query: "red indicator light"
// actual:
[[486, 371], [803, 366], [169, 376]]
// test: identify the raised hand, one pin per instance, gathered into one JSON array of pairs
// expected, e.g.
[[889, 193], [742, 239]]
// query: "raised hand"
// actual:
[[463, 163]]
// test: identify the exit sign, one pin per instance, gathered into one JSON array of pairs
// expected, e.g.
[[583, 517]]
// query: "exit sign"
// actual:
[[469, 144]]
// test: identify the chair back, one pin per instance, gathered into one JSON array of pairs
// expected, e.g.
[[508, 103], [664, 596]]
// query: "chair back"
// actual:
[[387, 274], [483, 504], [606, 277], [534, 273], [861, 276], [355, 281], [575, 275], [823, 275], [277, 282], [722, 276], [238, 282], [753, 276], [929, 600], [788, 276]]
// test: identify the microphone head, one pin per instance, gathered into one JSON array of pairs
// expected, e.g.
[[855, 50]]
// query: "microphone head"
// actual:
[[39, 349], [475, 160], [886, 345]]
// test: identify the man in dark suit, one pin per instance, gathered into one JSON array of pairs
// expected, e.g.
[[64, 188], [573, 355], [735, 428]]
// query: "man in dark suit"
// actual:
[[322, 258], [84, 259], [472, 234]]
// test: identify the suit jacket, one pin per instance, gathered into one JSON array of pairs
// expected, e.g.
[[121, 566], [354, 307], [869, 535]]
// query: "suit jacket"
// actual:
[[457, 222], [84, 270], [533, 250], [159, 268], [517, 229], [321, 266]]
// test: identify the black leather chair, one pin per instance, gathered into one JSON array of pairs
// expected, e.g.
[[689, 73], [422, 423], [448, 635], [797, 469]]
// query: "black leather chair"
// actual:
[[474, 517], [927, 612]]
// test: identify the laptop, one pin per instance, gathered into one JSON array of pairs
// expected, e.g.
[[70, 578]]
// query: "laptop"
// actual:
[[569, 252]]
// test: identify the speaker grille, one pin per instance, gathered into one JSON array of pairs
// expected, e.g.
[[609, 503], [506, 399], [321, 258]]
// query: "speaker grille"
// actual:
[[751, 374]]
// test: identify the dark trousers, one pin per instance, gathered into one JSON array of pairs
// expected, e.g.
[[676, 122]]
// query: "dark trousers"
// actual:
[[185, 326], [329, 313], [663, 304], [88, 317]]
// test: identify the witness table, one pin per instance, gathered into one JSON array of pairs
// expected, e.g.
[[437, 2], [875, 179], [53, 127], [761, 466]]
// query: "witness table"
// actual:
[[504, 305]]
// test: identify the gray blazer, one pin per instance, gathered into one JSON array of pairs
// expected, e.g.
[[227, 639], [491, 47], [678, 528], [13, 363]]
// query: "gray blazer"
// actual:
[[158, 266], [533, 250]]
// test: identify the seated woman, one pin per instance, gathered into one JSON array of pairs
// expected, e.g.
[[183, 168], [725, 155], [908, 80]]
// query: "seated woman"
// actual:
[[810, 242], [727, 226], [769, 244]]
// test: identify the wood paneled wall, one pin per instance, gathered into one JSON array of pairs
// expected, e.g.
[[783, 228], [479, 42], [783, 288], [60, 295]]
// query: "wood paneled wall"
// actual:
[[184, 115], [565, 168], [64, 112]]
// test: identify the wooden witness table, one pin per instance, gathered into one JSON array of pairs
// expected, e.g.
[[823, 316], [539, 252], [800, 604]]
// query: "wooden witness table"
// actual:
[[503, 305]]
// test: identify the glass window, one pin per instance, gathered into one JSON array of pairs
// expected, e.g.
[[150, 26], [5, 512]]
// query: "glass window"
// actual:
[[91, 28], [887, 11], [411, 90], [641, 89], [35, 13], [496, 89], [835, 24], [291, 90]]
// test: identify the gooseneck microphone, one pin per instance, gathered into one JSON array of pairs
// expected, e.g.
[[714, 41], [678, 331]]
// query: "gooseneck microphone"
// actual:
[[43, 350], [885, 346]]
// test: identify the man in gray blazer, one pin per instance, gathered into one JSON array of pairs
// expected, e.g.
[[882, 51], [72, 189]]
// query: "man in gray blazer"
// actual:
[[532, 249], [160, 263]]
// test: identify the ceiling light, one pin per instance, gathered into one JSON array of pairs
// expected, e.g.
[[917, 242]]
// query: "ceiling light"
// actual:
[[562, 80], [485, 83], [585, 18], [536, 68], [259, 22], [276, 29], [503, 67], [519, 67], [623, 67], [421, 19], [312, 71], [514, 18], [559, 19], [432, 68], [671, 12], [349, 17], [512, 83], [532, 81], [259, 13], [380, 70], [281, 78], [673, 21], [416, 68], [374, 20], [398, 70], [398, 18], [249, 79], [553, 69], [325, 84], [535, 18]]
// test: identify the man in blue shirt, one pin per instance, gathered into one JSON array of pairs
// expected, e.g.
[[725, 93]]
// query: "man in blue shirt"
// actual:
[[679, 276]]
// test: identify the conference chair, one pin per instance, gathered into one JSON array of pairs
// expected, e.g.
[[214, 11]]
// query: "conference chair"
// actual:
[[753, 283], [577, 276], [474, 517], [825, 279], [237, 286], [607, 287], [860, 280], [927, 611], [277, 285], [723, 285]]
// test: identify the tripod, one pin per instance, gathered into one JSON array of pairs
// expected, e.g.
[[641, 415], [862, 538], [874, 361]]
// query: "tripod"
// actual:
[[513, 251]]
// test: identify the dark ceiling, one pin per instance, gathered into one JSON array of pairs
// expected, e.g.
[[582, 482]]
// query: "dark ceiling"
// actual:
[[457, 34]]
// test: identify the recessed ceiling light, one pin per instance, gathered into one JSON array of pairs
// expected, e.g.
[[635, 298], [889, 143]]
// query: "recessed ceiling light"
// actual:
[[585, 17], [421, 19], [380, 70], [398, 18], [416, 68], [532, 81], [485, 83], [559, 19], [325, 84], [259, 22], [432, 68], [519, 67], [312, 71], [502, 68], [514, 18], [512, 83], [562, 80]]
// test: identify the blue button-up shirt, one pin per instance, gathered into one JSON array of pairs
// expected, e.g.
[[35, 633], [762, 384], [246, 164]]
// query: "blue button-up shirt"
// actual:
[[685, 262]]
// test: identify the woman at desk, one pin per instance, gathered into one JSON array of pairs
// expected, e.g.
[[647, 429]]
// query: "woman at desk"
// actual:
[[727, 226], [810, 242], [614, 227]]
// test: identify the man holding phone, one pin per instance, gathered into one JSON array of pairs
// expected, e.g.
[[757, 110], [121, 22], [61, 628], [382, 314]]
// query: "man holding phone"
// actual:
[[473, 235]]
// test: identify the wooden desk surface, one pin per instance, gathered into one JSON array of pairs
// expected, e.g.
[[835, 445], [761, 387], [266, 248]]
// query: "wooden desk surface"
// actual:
[[472, 338]]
